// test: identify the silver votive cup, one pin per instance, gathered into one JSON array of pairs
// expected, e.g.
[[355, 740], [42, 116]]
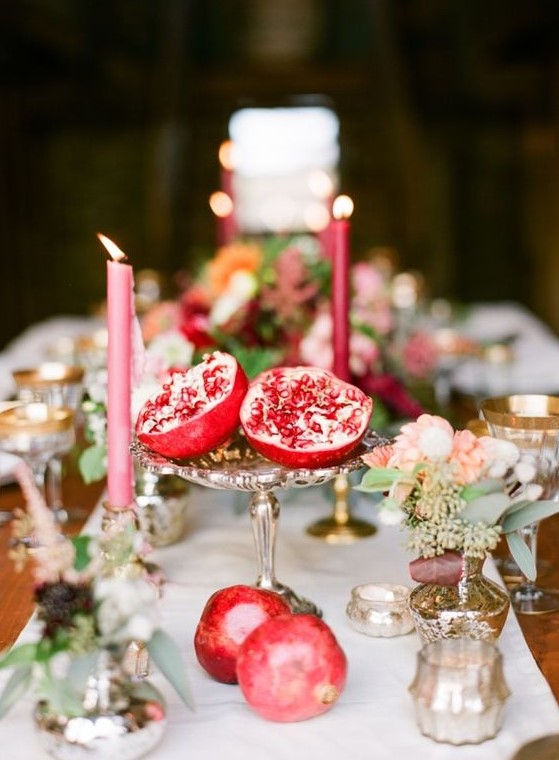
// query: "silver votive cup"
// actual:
[[380, 609], [459, 690]]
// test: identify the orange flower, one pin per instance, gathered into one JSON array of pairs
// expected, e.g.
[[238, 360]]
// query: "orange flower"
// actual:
[[230, 259]]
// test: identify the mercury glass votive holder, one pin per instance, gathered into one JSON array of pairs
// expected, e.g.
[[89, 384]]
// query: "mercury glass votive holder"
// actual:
[[380, 609], [459, 690]]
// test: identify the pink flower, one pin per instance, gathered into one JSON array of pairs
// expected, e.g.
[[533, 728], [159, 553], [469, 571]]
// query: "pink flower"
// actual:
[[408, 448], [162, 317], [420, 355], [469, 456]]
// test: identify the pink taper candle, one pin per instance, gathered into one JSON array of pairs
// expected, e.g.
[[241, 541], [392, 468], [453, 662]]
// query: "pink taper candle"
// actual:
[[120, 312], [341, 256]]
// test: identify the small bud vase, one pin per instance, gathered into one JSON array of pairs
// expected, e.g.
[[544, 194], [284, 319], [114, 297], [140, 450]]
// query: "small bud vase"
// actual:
[[475, 608], [122, 718]]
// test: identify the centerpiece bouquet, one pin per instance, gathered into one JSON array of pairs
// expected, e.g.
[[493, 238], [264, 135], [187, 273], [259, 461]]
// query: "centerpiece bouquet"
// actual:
[[267, 302], [457, 494]]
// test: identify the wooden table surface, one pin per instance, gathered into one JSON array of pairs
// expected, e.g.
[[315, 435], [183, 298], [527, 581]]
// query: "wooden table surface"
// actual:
[[541, 631]]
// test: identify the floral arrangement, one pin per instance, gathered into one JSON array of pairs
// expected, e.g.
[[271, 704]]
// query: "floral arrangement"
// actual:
[[456, 494], [267, 302], [83, 609]]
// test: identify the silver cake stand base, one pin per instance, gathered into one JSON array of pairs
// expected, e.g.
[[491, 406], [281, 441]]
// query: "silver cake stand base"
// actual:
[[237, 467]]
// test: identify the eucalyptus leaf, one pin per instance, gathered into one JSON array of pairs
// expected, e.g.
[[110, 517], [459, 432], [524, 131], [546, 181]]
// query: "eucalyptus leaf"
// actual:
[[18, 656], [167, 657], [93, 463], [378, 479], [488, 508], [522, 555], [62, 696], [18, 683], [80, 669], [532, 512], [475, 490]]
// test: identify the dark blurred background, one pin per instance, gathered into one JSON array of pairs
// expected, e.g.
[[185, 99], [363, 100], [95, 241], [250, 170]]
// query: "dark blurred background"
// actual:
[[112, 112]]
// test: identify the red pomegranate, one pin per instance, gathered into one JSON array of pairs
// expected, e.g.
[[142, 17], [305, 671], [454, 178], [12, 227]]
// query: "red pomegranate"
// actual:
[[304, 416], [196, 410], [291, 668], [229, 616]]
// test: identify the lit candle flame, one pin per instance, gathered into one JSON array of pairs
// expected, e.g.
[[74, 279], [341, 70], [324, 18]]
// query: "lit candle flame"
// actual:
[[221, 204], [114, 251], [227, 155], [342, 208]]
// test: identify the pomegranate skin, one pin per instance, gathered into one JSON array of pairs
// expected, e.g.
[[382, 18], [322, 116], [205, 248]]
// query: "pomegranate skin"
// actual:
[[291, 668], [196, 410], [229, 615], [304, 417]]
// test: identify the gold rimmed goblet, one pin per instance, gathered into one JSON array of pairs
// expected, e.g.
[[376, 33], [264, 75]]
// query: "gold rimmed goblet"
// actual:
[[36, 432], [531, 421], [58, 385]]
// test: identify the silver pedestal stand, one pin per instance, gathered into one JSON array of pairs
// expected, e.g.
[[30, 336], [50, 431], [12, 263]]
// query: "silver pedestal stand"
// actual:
[[237, 467]]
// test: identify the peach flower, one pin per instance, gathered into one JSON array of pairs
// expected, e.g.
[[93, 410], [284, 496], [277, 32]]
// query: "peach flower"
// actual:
[[415, 440], [379, 456], [469, 456]]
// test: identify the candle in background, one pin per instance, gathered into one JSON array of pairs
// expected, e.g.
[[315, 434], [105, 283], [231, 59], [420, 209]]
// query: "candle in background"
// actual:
[[342, 209], [120, 312], [322, 187], [227, 223], [222, 206]]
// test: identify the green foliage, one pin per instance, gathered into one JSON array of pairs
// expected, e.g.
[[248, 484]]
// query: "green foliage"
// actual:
[[93, 463], [166, 656]]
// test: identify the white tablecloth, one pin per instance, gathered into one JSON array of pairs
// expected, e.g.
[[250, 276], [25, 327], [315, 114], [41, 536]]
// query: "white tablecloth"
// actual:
[[374, 718]]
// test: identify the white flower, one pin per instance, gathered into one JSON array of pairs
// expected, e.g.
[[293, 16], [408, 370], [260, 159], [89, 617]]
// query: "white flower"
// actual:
[[498, 450], [241, 287], [392, 515], [525, 471], [435, 443], [126, 610], [170, 349]]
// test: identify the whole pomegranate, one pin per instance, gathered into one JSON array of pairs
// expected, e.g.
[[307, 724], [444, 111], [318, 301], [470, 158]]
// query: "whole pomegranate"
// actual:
[[229, 615], [291, 668], [196, 410], [304, 416]]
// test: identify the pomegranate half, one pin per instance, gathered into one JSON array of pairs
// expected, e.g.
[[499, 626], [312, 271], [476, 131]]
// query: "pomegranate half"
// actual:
[[291, 668], [304, 416], [229, 615], [196, 410]]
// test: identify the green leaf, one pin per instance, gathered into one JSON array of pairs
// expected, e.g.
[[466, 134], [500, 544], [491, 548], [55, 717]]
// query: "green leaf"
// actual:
[[475, 490], [81, 545], [93, 463], [488, 508], [522, 555], [80, 669], [62, 697], [167, 657], [532, 512], [18, 683], [20, 655], [378, 479]]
